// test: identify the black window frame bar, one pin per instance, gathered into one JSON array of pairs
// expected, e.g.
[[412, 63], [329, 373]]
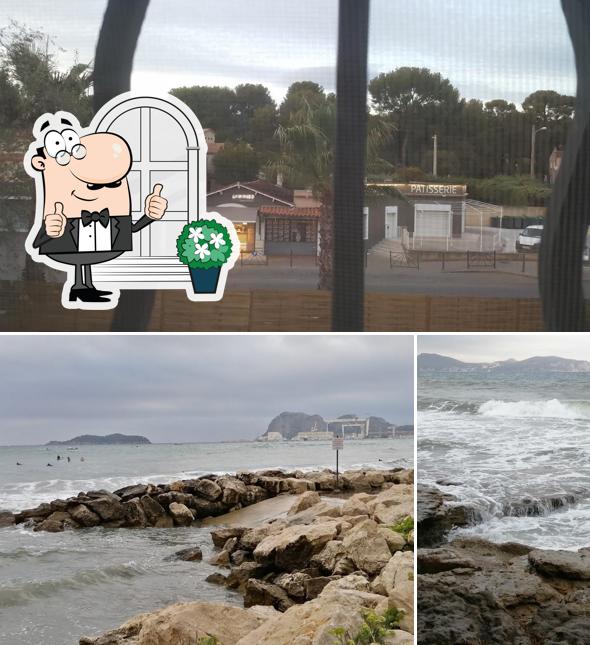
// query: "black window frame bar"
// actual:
[[568, 217]]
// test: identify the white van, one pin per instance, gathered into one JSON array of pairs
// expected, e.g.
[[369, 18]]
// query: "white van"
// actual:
[[530, 238]]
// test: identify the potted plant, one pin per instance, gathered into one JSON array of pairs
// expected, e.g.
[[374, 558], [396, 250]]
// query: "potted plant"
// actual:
[[204, 245]]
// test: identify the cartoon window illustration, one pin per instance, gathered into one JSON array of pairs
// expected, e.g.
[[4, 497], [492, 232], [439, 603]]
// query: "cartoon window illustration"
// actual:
[[165, 150]]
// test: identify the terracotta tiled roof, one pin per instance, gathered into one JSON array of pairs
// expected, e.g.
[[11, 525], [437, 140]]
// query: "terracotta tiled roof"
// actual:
[[285, 211]]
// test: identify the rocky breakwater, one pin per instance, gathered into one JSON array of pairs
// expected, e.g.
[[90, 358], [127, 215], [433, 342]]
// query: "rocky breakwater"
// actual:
[[181, 502], [331, 569]]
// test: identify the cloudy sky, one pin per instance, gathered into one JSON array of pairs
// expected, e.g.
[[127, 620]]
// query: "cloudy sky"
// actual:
[[477, 348], [195, 388], [487, 48]]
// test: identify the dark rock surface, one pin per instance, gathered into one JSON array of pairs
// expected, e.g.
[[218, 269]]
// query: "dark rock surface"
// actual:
[[473, 591], [438, 514]]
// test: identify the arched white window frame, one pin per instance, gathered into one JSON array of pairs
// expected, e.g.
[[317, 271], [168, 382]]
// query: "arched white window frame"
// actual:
[[137, 272]]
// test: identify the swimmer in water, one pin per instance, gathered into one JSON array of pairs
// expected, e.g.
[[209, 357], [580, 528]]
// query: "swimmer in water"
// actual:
[[18, 463], [50, 465]]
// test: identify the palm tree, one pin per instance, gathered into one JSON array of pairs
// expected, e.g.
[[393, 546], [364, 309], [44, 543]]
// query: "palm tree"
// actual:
[[307, 160]]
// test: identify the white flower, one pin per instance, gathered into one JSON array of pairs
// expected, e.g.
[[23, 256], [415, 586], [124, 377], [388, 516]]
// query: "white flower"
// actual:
[[202, 250], [217, 240], [196, 234]]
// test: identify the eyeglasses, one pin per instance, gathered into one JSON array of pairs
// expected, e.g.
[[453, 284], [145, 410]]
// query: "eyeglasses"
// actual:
[[63, 157]]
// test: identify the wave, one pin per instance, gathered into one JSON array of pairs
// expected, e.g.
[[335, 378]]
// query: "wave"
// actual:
[[20, 593], [548, 408], [551, 409]]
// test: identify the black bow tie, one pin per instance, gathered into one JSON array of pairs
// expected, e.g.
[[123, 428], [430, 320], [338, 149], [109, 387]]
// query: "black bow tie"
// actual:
[[102, 217]]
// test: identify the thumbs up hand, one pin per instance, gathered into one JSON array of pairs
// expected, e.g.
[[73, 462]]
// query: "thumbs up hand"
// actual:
[[155, 205], [55, 223]]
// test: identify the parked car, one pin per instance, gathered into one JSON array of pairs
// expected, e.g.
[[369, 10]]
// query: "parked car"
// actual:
[[530, 238]]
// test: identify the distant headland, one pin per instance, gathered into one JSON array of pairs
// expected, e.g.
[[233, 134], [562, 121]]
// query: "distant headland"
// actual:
[[94, 439]]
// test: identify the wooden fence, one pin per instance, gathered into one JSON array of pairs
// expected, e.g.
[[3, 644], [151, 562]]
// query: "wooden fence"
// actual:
[[39, 309]]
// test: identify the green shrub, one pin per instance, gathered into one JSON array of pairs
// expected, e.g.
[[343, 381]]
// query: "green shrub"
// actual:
[[375, 628], [507, 190], [207, 640], [203, 244], [404, 526]]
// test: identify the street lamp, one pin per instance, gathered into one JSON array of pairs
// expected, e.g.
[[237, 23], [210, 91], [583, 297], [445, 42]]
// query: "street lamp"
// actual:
[[534, 132]]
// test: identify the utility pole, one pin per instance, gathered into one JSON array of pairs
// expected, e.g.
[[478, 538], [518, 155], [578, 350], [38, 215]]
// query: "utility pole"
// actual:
[[435, 155], [534, 132]]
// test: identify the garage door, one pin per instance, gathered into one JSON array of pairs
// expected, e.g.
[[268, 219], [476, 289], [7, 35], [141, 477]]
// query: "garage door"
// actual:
[[432, 220]]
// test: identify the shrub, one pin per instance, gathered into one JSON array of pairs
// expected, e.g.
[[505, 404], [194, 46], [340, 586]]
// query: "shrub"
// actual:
[[203, 244], [375, 628], [404, 526]]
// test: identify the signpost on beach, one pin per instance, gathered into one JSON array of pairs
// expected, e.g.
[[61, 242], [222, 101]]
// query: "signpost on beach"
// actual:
[[337, 445]]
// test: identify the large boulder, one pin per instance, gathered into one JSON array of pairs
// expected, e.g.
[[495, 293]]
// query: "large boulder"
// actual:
[[561, 564], [293, 583], [205, 488], [295, 545], [134, 514], [129, 492], [6, 519], [396, 581], [84, 516], [107, 507], [329, 557], [221, 535], [190, 554], [366, 547], [303, 502], [165, 499], [183, 623], [258, 592], [239, 575], [251, 538], [354, 506], [35, 514], [56, 522], [313, 622], [181, 514], [152, 509], [233, 490], [392, 504]]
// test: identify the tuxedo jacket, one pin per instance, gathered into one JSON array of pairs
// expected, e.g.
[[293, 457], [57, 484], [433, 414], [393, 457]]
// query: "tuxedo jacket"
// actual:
[[122, 228]]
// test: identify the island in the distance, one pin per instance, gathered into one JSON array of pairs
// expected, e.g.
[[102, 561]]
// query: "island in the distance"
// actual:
[[93, 439]]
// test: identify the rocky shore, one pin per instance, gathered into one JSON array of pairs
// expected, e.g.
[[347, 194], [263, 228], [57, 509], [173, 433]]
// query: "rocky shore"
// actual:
[[337, 564], [471, 591]]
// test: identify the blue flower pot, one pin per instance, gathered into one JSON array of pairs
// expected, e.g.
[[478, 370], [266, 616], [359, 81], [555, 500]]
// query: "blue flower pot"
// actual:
[[205, 280]]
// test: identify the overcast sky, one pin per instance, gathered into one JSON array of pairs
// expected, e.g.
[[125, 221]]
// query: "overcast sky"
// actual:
[[487, 48], [195, 388], [479, 348]]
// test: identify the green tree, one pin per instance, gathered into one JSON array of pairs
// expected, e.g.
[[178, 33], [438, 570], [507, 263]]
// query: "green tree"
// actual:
[[307, 161], [500, 108], [418, 103], [236, 162], [214, 107], [546, 107], [300, 96], [249, 99]]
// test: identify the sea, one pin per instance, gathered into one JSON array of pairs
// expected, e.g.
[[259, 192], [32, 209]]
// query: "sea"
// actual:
[[514, 446], [56, 587]]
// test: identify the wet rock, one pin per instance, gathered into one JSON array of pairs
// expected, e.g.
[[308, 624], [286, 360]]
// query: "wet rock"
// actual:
[[134, 514], [258, 592], [233, 490], [221, 559], [107, 507], [205, 488], [239, 575], [294, 545], [57, 522], [255, 494], [222, 535], [152, 509], [164, 522], [532, 507], [443, 559], [181, 514], [191, 554], [6, 519], [203, 508], [84, 516], [165, 499], [239, 556], [216, 579], [305, 501], [561, 564], [437, 515], [41, 511], [129, 492]]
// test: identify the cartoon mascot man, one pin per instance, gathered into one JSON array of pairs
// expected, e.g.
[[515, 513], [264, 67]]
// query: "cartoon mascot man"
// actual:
[[86, 217]]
